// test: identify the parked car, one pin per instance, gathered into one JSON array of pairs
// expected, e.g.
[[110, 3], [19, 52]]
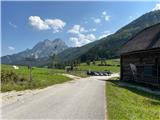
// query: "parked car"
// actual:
[[95, 73]]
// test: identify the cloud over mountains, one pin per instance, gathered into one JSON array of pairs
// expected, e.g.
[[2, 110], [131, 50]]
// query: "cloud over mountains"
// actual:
[[157, 7], [56, 25], [79, 37]]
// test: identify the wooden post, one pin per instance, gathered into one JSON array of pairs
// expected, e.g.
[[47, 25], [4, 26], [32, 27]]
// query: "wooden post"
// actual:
[[30, 60], [30, 73]]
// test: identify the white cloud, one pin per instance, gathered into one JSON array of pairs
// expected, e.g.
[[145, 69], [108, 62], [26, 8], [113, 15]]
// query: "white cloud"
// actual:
[[97, 20], [80, 36], [82, 39], [13, 25], [157, 7], [82, 29], [75, 41], [90, 37], [38, 23], [55, 24], [104, 13], [11, 48], [105, 34], [105, 16], [92, 30], [76, 29], [131, 18]]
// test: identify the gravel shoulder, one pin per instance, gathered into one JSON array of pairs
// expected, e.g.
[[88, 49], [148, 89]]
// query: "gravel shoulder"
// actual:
[[14, 96]]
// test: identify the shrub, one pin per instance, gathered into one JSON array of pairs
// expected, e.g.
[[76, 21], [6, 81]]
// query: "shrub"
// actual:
[[10, 76]]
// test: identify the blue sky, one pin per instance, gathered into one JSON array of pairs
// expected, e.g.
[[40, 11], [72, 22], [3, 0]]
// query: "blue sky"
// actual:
[[77, 23]]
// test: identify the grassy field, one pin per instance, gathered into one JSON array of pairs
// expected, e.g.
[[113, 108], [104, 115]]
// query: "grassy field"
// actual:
[[41, 77], [113, 66], [124, 103]]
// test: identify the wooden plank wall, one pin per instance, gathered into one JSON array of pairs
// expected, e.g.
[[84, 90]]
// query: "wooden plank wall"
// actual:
[[145, 62]]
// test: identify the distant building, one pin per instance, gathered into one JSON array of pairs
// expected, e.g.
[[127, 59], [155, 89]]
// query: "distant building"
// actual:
[[142, 64]]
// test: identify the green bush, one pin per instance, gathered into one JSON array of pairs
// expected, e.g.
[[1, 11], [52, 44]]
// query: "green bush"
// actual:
[[10, 76]]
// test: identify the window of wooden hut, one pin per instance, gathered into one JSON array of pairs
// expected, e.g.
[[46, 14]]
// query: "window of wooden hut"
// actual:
[[141, 60], [156, 61], [148, 71], [155, 67]]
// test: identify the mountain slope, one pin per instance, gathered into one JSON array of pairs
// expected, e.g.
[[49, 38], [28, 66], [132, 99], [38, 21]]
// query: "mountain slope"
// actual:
[[41, 51], [75, 52], [107, 47]]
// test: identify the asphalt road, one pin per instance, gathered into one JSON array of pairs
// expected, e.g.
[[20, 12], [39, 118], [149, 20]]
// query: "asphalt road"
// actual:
[[78, 99]]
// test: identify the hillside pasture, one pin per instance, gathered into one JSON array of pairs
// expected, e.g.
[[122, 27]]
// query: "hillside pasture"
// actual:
[[113, 65]]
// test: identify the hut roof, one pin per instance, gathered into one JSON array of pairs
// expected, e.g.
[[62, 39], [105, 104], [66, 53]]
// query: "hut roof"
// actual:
[[142, 51], [146, 39]]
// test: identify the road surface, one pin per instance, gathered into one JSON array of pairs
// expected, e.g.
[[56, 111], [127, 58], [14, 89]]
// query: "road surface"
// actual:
[[77, 99]]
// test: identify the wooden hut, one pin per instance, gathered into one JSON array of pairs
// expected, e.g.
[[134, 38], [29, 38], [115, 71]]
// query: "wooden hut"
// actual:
[[141, 66], [141, 63]]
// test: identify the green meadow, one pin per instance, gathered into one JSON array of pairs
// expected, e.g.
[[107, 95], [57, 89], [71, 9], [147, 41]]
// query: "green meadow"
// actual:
[[125, 103]]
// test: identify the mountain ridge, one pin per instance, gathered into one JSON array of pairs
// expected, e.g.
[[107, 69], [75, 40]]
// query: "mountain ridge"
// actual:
[[43, 49]]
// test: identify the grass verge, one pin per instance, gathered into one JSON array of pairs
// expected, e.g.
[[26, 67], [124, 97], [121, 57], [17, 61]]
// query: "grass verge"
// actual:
[[124, 103], [79, 73], [19, 79]]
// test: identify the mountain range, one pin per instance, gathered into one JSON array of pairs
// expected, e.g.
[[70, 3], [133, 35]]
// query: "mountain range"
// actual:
[[40, 52], [107, 47]]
